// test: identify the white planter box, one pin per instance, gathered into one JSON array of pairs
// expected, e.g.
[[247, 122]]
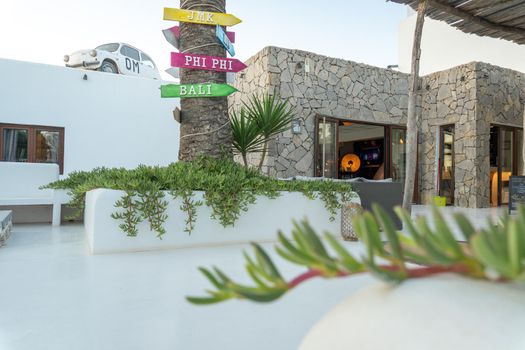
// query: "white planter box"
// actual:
[[260, 223]]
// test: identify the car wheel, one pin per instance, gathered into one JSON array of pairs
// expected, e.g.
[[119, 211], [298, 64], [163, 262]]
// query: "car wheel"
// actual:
[[108, 67]]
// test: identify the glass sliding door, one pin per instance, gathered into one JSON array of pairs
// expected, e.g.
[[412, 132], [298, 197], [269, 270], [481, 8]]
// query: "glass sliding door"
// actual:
[[446, 160], [398, 154], [506, 155], [327, 145], [506, 164]]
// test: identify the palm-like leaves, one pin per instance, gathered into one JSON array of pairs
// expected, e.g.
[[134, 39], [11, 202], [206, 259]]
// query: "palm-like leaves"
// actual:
[[266, 116], [247, 137]]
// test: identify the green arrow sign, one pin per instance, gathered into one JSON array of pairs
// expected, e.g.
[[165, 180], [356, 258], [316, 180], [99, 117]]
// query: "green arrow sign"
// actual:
[[196, 90]]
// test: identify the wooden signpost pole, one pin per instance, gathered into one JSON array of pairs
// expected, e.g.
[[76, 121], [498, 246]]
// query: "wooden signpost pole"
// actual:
[[204, 126]]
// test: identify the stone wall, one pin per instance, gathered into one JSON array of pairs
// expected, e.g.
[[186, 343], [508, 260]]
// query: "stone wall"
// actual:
[[471, 97], [500, 98], [449, 97], [318, 86]]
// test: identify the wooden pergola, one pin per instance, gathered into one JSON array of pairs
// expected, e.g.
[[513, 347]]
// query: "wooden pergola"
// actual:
[[501, 19]]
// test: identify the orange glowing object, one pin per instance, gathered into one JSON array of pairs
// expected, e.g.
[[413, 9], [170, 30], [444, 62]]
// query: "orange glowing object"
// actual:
[[350, 163]]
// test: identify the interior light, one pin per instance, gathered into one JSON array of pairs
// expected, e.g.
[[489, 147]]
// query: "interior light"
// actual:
[[401, 141]]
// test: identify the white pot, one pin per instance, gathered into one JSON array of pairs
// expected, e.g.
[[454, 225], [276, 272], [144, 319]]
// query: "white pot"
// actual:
[[444, 312]]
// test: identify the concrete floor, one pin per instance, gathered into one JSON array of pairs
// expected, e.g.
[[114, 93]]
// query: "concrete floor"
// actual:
[[54, 295]]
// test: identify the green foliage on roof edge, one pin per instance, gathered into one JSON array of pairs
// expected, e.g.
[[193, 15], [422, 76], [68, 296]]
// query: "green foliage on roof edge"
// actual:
[[496, 253], [229, 190]]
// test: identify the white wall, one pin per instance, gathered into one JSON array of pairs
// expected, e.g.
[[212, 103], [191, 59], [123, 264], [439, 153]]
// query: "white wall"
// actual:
[[110, 120], [444, 47]]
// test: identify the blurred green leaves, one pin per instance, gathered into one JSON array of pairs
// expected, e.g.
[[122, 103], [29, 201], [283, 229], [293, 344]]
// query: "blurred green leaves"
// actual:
[[424, 249]]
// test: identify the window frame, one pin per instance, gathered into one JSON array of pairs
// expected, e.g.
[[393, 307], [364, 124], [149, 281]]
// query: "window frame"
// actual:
[[126, 47], [100, 47], [31, 141]]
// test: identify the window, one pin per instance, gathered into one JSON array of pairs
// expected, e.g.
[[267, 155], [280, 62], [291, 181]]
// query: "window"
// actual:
[[130, 52], [147, 60], [32, 143], [108, 47]]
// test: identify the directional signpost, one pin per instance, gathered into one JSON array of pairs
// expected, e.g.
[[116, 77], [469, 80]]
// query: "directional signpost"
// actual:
[[214, 63], [172, 37], [176, 31], [200, 17], [223, 38], [196, 90], [203, 62]]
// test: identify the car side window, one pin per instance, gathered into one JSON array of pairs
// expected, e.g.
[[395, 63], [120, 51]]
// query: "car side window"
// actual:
[[147, 60], [130, 52]]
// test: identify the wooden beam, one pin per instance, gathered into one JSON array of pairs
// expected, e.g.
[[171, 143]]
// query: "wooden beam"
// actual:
[[411, 144], [445, 7]]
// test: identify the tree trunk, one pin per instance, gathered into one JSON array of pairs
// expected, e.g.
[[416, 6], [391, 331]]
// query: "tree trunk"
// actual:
[[263, 155], [412, 123], [204, 129]]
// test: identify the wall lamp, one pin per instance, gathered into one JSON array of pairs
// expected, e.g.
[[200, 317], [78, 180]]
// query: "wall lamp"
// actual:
[[296, 126]]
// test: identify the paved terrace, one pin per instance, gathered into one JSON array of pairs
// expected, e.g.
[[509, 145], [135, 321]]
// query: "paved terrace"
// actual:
[[54, 295]]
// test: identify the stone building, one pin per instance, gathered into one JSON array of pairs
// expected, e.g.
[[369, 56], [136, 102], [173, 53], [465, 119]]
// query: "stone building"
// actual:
[[470, 137]]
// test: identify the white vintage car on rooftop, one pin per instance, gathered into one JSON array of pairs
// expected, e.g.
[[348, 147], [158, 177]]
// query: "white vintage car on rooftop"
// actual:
[[118, 58]]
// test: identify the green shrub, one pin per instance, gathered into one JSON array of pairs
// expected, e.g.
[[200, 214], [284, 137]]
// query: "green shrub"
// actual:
[[229, 189]]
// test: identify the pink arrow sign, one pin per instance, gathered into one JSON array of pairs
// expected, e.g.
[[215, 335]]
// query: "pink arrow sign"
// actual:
[[176, 31], [218, 64]]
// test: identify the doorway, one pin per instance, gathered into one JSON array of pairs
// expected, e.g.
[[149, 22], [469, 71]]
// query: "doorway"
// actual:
[[347, 149], [505, 149], [446, 163]]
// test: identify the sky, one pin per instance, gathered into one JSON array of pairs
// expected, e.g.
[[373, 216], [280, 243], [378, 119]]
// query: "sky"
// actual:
[[44, 31]]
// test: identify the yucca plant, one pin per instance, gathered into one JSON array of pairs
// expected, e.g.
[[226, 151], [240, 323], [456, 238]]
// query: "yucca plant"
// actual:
[[271, 115], [247, 136], [496, 253]]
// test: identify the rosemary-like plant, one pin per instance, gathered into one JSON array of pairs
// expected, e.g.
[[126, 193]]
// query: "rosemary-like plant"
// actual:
[[229, 190], [496, 253]]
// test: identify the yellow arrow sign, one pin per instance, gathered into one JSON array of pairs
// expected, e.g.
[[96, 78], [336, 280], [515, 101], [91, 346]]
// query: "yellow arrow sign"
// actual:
[[200, 17]]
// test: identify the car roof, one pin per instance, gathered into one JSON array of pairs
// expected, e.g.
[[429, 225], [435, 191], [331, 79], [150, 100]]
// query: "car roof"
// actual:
[[121, 43], [142, 52]]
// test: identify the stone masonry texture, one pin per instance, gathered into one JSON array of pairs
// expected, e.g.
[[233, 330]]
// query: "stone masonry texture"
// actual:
[[471, 97]]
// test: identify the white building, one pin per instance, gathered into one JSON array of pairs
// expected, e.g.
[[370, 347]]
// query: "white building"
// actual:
[[81, 120], [104, 119], [444, 47]]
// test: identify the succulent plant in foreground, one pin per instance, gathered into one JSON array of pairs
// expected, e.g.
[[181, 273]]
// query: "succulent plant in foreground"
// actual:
[[496, 253]]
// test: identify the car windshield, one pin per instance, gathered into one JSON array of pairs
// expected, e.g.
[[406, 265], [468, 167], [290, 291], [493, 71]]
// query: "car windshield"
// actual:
[[108, 47]]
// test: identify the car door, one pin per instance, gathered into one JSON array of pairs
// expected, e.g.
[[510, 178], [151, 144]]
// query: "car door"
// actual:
[[130, 62]]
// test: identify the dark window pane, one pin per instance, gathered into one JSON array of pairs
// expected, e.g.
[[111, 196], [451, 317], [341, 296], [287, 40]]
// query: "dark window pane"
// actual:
[[130, 52], [15, 145], [47, 146]]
